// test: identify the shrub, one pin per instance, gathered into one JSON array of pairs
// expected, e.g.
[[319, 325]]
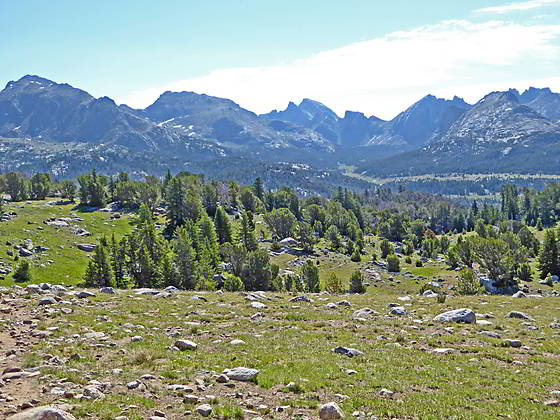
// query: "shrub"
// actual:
[[22, 272], [356, 257], [232, 283], [310, 274], [468, 283], [408, 260], [276, 247], [374, 257], [334, 284], [419, 263], [357, 282], [393, 264], [386, 248], [441, 298]]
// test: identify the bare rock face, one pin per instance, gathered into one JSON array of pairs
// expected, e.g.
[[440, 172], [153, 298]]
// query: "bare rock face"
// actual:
[[43, 413]]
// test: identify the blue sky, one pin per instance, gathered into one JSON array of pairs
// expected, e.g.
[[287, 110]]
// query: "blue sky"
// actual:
[[377, 57]]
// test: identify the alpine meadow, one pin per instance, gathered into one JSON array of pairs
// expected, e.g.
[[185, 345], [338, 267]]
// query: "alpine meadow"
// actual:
[[187, 230]]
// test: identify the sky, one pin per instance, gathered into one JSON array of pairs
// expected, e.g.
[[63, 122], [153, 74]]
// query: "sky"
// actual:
[[373, 56]]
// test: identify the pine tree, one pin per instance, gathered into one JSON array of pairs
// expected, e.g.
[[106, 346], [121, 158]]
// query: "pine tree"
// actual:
[[223, 227], [185, 257], [548, 258], [247, 232], [258, 188], [99, 272], [208, 249], [118, 263]]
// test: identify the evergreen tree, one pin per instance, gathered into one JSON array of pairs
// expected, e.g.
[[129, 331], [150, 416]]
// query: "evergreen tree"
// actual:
[[247, 232], [223, 226], [118, 263], [548, 257], [185, 257], [99, 272], [258, 188], [305, 236], [310, 274]]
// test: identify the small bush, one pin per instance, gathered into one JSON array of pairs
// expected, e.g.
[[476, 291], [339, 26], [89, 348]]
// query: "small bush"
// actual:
[[374, 257], [232, 283], [333, 284], [356, 257], [22, 272], [393, 263], [357, 282], [468, 283], [275, 246], [386, 248], [419, 263], [408, 260], [441, 298]]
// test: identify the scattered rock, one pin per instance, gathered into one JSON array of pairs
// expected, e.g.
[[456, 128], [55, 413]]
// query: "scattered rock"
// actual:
[[458, 315], [86, 247], [347, 351], [519, 315], [185, 345], [301, 299], [43, 413], [242, 374], [204, 410], [330, 411], [398, 310], [364, 314], [47, 301], [512, 343]]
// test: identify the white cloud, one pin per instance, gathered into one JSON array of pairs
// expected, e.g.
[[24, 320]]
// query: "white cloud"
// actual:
[[384, 75], [518, 6]]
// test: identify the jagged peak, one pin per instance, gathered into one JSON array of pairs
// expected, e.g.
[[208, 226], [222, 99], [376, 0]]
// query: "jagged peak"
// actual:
[[500, 95]]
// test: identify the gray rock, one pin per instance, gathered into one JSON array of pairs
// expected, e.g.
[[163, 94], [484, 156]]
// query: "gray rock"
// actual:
[[512, 343], [398, 310], [85, 294], [330, 411], [43, 413], [86, 247], [33, 288], [184, 345], [519, 315], [347, 351], [519, 294], [491, 334], [458, 315], [204, 410], [301, 299], [49, 300], [24, 252], [107, 290], [364, 314], [242, 374], [258, 305]]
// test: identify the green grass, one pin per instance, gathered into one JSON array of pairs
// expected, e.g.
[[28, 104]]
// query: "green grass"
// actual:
[[293, 345], [68, 263]]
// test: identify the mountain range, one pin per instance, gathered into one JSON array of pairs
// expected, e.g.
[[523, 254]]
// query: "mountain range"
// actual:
[[63, 129]]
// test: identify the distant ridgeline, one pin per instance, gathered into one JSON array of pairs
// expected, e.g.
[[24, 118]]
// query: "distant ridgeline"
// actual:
[[56, 128]]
